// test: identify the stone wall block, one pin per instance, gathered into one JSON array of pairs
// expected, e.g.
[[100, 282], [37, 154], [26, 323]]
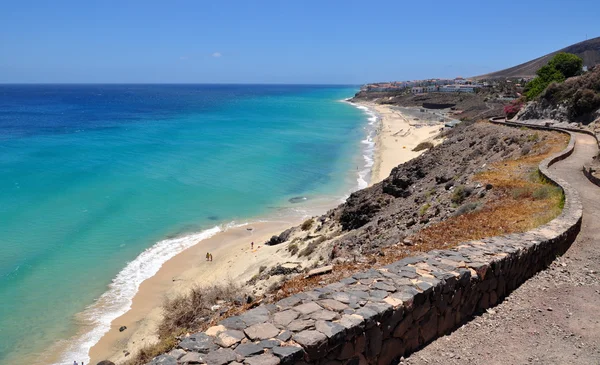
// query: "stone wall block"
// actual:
[[389, 325], [405, 324], [374, 342], [428, 327], [391, 352]]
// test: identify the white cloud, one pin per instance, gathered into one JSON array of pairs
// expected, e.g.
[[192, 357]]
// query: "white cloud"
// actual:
[[217, 54]]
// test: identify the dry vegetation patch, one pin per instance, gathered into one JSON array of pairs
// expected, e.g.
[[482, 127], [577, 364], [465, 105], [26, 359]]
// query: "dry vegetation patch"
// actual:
[[522, 199]]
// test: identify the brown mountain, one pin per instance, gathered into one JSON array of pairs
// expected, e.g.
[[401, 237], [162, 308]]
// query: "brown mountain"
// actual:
[[588, 50]]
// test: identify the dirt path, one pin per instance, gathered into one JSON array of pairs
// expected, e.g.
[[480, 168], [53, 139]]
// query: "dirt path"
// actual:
[[554, 318]]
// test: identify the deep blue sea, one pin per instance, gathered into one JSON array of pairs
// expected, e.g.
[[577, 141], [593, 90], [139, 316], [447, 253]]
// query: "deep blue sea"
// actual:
[[100, 184]]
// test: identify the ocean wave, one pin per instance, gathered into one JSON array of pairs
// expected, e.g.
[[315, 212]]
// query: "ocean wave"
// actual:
[[117, 300], [368, 145]]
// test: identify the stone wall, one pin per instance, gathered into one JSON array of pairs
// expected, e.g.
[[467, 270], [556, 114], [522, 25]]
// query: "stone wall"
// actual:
[[377, 316], [589, 173]]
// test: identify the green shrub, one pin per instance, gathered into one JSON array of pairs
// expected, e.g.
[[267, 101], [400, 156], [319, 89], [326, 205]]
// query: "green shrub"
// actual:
[[546, 191], [293, 248], [310, 248], [559, 68], [567, 64], [307, 224], [424, 209], [458, 195]]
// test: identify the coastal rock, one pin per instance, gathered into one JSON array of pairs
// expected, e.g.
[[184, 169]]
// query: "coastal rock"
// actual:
[[285, 317], [297, 199], [249, 349], [275, 240], [122, 328], [220, 357], [261, 331], [199, 342], [332, 330], [288, 354], [229, 338], [284, 336], [264, 359], [191, 358], [105, 362], [164, 360], [314, 342]]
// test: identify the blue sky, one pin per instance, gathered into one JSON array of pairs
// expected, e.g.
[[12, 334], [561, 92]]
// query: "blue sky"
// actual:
[[282, 41]]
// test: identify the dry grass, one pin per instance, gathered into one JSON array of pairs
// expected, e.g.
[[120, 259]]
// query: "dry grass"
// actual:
[[191, 312], [521, 200]]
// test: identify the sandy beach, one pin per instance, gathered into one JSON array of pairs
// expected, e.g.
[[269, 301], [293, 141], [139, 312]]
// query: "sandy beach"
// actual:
[[233, 259], [396, 138]]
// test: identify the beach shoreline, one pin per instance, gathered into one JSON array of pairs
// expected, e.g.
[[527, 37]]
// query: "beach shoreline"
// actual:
[[397, 136], [189, 269]]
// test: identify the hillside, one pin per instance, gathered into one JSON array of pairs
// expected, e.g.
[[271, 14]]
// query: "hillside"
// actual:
[[575, 100], [588, 50]]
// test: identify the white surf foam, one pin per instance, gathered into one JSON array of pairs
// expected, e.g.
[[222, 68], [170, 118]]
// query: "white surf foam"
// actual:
[[367, 145], [117, 300]]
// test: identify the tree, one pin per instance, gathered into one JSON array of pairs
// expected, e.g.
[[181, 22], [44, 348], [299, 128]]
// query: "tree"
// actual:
[[567, 63]]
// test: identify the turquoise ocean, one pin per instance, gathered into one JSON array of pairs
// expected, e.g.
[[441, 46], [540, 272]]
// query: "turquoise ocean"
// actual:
[[101, 184]]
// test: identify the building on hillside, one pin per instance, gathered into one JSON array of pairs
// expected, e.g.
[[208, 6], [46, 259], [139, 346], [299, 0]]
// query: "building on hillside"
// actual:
[[458, 88], [417, 90]]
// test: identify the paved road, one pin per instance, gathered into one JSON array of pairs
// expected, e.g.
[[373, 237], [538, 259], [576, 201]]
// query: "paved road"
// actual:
[[553, 318]]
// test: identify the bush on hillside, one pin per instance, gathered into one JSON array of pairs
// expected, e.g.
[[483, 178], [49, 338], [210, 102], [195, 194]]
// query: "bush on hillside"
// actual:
[[423, 146], [581, 95], [559, 68], [567, 64], [512, 109], [307, 224]]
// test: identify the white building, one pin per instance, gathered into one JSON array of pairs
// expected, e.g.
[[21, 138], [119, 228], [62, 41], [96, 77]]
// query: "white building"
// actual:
[[458, 88]]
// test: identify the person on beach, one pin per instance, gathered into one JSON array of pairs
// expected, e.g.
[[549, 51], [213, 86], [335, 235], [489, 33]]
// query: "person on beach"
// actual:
[[252, 246], [207, 256], [210, 255], [74, 362]]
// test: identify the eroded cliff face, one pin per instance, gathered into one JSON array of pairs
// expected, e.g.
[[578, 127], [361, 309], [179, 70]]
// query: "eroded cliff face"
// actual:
[[426, 190], [543, 109]]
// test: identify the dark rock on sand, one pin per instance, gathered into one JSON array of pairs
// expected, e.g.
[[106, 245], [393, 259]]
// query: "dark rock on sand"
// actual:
[[297, 199], [275, 240]]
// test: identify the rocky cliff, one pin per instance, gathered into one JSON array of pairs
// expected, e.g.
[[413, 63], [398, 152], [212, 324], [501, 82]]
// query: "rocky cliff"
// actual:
[[428, 189]]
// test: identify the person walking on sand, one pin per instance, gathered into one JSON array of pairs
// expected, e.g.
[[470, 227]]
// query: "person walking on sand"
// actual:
[[252, 245], [207, 256], [210, 257]]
